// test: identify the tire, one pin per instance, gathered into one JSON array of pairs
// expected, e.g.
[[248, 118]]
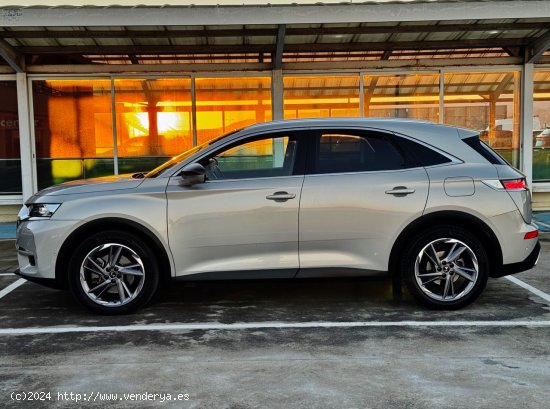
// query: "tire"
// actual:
[[445, 267], [113, 272]]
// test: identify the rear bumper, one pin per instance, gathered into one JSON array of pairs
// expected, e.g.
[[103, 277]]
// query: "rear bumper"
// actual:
[[526, 264]]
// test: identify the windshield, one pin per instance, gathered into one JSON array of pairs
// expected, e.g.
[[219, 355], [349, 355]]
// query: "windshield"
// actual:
[[182, 156]]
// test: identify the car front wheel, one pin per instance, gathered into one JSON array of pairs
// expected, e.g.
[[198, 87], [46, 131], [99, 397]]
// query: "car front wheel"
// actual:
[[446, 267], [113, 272]]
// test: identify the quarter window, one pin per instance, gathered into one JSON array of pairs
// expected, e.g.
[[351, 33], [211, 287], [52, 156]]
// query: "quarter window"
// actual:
[[423, 155], [267, 157], [343, 152]]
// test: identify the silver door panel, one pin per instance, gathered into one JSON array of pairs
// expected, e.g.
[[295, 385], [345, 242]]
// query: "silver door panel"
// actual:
[[233, 225], [351, 220]]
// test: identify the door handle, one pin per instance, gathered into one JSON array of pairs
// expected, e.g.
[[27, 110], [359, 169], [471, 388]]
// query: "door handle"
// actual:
[[400, 191], [281, 196]]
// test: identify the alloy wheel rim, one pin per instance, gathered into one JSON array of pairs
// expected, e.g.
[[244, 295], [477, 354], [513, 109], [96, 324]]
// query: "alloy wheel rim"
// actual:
[[112, 275], [446, 269]]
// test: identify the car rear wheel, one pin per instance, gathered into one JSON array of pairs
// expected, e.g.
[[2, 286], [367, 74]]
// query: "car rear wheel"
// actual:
[[113, 272], [446, 267]]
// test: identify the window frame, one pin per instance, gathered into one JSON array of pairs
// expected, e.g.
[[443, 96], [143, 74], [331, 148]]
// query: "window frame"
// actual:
[[314, 146], [299, 165], [451, 159]]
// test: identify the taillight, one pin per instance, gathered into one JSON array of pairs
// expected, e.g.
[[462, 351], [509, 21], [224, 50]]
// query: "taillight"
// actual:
[[514, 184]]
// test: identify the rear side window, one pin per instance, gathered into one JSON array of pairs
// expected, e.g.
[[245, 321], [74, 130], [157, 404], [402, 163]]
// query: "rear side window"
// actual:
[[423, 155], [349, 152], [477, 145]]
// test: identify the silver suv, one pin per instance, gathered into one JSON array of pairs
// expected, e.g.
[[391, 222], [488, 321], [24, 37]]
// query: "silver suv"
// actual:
[[427, 203]]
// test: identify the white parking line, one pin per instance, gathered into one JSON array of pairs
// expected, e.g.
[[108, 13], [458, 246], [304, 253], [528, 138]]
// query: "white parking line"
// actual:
[[12, 287], [536, 291], [205, 326], [7, 274]]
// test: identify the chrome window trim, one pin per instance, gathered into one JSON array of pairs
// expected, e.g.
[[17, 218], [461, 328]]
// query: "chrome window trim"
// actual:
[[364, 172], [260, 178]]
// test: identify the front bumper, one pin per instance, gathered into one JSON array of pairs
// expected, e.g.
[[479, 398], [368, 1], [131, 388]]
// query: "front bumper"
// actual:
[[524, 265], [38, 243], [47, 282]]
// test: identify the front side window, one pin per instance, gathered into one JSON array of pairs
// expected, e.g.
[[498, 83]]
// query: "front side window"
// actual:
[[348, 152], [267, 157]]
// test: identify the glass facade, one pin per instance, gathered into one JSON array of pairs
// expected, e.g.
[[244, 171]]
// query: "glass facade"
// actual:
[[10, 163], [488, 102], [321, 96], [157, 118], [413, 96], [541, 126], [153, 119], [226, 104], [73, 130]]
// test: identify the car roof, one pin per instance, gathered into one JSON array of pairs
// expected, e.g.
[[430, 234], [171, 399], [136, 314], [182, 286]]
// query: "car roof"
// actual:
[[425, 131], [337, 121]]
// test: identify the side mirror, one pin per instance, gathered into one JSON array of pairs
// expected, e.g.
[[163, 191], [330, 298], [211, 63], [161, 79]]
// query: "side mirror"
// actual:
[[192, 174]]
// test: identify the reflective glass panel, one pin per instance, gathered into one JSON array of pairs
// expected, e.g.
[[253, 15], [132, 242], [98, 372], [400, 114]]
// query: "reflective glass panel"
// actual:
[[227, 104], [73, 129], [541, 126], [153, 121], [413, 96], [10, 163], [487, 102], [321, 96]]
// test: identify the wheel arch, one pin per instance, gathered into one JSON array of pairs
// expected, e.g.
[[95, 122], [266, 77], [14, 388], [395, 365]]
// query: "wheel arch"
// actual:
[[110, 223], [473, 224]]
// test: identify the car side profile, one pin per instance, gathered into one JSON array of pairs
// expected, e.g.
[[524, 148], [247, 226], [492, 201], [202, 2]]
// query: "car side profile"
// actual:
[[337, 197]]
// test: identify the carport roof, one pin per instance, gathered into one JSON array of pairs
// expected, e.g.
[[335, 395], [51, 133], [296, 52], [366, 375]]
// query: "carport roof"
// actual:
[[272, 34]]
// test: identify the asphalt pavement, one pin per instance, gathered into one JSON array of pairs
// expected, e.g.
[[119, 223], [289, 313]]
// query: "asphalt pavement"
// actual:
[[277, 344]]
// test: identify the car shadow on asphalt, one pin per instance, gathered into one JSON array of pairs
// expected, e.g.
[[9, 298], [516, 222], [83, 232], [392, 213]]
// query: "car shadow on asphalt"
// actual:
[[365, 299]]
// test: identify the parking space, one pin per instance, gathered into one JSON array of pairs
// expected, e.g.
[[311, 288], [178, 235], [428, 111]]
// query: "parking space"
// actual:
[[539, 277], [6, 279], [291, 344]]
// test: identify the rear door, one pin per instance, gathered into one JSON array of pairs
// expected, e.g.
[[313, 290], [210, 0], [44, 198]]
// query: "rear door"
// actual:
[[360, 190]]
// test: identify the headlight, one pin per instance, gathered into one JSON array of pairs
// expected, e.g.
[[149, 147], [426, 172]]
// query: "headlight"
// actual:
[[42, 209]]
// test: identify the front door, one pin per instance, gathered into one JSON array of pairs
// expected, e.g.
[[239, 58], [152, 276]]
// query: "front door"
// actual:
[[244, 218]]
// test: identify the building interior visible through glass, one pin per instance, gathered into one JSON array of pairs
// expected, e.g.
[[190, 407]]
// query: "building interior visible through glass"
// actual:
[[541, 121], [78, 136], [10, 154]]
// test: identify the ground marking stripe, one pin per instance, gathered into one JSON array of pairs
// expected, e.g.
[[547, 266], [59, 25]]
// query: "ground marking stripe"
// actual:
[[7, 274], [536, 291], [269, 325], [12, 287]]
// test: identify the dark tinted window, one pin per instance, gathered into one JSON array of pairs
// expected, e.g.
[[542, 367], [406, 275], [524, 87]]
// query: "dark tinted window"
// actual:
[[347, 152], [489, 154], [422, 155]]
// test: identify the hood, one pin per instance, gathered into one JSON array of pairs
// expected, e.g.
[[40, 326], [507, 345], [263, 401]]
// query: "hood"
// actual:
[[102, 184]]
